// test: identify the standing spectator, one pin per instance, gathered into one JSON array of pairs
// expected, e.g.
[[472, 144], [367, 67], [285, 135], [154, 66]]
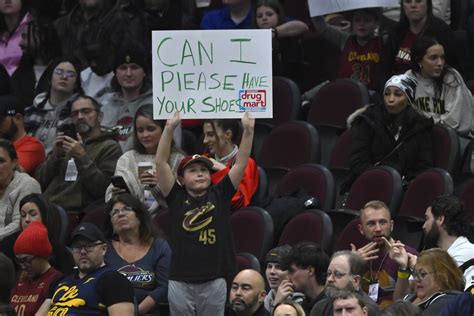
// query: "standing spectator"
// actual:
[[14, 17], [441, 92], [134, 250], [29, 149], [51, 109], [14, 186], [32, 250], [91, 21], [146, 137], [100, 289], [236, 14], [220, 139], [97, 78], [132, 89], [199, 221], [7, 275], [307, 265], [78, 171]]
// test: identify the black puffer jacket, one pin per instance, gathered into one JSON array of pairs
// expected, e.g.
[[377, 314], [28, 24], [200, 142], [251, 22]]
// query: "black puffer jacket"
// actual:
[[373, 139]]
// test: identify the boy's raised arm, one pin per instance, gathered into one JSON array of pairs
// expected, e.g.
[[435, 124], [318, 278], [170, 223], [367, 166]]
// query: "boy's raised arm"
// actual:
[[166, 178], [241, 160]]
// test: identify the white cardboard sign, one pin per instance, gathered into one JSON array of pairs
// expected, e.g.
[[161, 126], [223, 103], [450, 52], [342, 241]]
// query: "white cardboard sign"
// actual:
[[212, 73], [322, 7]]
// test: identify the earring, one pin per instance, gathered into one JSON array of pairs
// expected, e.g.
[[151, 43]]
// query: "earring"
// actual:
[[420, 65]]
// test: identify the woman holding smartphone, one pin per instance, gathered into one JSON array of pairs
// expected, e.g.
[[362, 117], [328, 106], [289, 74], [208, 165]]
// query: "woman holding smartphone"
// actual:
[[137, 166]]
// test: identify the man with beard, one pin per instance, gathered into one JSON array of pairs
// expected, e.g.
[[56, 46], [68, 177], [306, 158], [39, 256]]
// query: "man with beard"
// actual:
[[77, 172], [29, 149], [247, 294], [95, 289], [446, 227], [381, 271], [344, 273]]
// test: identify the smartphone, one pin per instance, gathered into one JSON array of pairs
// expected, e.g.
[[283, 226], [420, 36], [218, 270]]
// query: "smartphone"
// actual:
[[119, 182], [68, 130]]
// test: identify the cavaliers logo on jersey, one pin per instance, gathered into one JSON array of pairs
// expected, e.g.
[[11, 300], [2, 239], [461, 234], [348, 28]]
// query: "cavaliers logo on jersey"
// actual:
[[198, 218]]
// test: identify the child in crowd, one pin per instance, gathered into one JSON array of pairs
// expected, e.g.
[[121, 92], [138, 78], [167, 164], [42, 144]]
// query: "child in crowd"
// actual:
[[201, 240]]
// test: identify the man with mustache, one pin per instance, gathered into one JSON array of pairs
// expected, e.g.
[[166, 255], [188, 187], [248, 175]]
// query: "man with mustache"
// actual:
[[247, 293], [446, 227], [381, 272], [344, 272]]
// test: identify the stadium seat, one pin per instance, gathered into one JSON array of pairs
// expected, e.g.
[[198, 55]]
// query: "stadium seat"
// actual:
[[260, 197], [312, 226], [446, 150], [331, 107], [350, 235], [377, 183], [252, 229], [247, 260], [315, 179], [289, 145]]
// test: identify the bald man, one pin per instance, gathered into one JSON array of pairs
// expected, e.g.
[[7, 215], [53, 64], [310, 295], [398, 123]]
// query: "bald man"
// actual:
[[247, 293]]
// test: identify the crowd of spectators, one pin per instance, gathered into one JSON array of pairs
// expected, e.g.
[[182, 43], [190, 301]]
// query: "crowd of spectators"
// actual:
[[78, 138]]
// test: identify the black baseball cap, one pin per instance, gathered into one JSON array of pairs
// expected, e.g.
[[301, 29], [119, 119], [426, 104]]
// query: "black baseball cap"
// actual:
[[277, 254], [11, 105], [88, 231]]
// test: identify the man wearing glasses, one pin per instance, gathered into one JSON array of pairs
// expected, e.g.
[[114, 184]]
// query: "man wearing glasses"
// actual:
[[95, 289], [78, 171], [344, 273]]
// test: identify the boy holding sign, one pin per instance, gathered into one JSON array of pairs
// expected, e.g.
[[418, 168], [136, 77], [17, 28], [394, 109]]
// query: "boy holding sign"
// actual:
[[201, 241]]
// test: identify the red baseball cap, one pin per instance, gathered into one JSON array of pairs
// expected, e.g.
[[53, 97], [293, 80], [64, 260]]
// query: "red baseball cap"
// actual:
[[186, 161]]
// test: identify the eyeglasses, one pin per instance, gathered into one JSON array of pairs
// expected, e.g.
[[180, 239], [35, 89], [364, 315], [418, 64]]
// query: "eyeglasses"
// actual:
[[420, 275], [336, 274], [87, 247], [83, 111], [25, 261], [126, 210], [68, 73]]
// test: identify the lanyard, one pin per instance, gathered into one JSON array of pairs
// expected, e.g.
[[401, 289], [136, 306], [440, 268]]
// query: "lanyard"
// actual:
[[380, 267]]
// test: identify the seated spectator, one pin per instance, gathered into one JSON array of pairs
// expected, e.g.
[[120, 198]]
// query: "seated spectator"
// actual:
[[14, 185], [146, 136], [100, 289], [14, 16], [91, 22], [97, 78], [446, 226], [32, 251], [134, 250], [437, 278], [460, 305], [35, 208], [288, 308], [401, 308], [307, 265], [132, 88], [247, 293], [416, 18], [277, 279], [78, 171], [51, 109], [30, 150], [40, 45], [360, 49], [392, 133], [441, 92], [345, 272], [348, 302], [7, 275], [286, 47], [380, 270], [236, 14], [220, 139]]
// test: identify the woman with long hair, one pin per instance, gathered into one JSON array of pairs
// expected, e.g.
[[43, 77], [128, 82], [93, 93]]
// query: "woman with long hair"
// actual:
[[441, 92], [146, 136], [134, 249]]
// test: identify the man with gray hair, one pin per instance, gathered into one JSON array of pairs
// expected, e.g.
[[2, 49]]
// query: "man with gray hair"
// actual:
[[345, 272]]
